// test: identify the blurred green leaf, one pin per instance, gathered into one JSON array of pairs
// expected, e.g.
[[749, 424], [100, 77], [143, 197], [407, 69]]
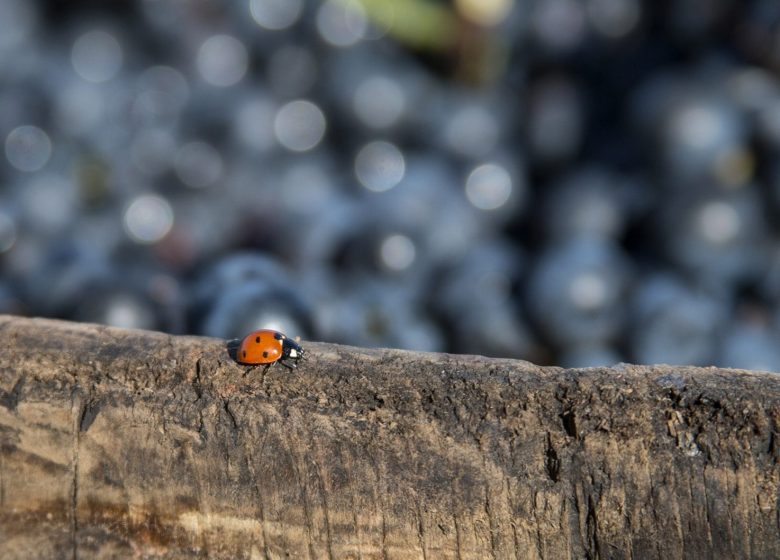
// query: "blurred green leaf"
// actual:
[[416, 23]]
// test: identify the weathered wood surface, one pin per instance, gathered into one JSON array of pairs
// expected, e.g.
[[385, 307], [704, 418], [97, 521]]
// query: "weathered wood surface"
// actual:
[[116, 444]]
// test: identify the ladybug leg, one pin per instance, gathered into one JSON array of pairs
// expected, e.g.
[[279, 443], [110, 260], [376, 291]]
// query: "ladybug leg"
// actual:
[[265, 369], [288, 366]]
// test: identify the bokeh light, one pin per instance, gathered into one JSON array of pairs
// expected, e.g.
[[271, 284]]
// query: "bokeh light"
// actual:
[[489, 186], [96, 56], [275, 14], [718, 222], [28, 148], [222, 60], [472, 131], [341, 23], [379, 166], [379, 102], [121, 311], [559, 25], [299, 125], [614, 18], [148, 218], [397, 252]]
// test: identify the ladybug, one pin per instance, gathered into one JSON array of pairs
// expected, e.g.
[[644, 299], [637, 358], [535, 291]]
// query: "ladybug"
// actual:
[[266, 347]]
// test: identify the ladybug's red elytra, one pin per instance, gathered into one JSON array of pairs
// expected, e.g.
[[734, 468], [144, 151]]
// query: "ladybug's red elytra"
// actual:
[[266, 347]]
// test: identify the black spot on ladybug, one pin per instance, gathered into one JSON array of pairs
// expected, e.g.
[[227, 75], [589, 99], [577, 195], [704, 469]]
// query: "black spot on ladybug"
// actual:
[[257, 339], [278, 336], [244, 353], [265, 354]]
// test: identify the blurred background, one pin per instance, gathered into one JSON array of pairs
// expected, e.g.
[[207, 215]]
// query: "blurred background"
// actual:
[[573, 182]]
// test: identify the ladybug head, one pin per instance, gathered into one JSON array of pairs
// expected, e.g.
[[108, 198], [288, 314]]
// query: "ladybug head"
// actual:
[[292, 350]]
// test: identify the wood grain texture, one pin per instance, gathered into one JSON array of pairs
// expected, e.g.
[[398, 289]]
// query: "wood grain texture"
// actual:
[[118, 443]]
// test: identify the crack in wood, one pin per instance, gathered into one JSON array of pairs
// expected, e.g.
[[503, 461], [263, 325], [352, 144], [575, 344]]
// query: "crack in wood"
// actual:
[[258, 489], [74, 523], [10, 399], [421, 531]]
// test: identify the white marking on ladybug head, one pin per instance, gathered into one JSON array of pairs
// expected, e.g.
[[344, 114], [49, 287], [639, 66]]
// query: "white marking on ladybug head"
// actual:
[[293, 353]]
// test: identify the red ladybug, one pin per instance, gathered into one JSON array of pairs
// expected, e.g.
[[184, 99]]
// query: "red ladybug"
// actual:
[[266, 347]]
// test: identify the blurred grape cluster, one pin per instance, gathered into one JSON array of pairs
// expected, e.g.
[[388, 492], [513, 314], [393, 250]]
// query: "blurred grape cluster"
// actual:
[[577, 182]]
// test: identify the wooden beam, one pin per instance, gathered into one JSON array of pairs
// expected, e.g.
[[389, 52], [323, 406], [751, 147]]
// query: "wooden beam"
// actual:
[[116, 443]]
